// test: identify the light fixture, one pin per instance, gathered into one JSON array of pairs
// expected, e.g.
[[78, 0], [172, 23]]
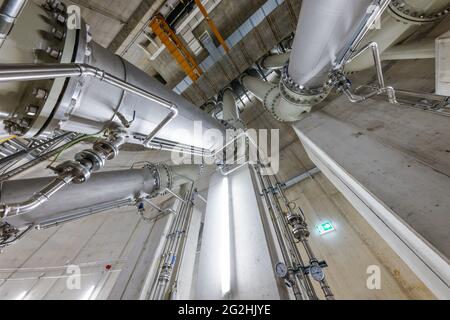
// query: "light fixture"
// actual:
[[22, 295], [225, 240]]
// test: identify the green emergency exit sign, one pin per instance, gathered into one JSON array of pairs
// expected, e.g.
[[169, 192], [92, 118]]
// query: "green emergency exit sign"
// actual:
[[325, 227]]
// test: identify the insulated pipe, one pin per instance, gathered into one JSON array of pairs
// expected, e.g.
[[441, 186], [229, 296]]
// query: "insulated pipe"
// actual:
[[279, 106], [120, 91], [394, 27], [230, 110], [257, 87], [324, 29], [275, 61], [101, 188], [324, 32], [37, 199]]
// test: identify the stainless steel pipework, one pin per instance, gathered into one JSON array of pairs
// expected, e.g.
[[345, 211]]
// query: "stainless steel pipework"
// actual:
[[68, 172], [378, 7], [341, 82], [33, 72], [37, 199], [9, 11]]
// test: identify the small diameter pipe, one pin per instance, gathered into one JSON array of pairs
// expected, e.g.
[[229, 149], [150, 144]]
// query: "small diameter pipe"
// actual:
[[281, 240], [382, 88], [85, 212], [33, 72]]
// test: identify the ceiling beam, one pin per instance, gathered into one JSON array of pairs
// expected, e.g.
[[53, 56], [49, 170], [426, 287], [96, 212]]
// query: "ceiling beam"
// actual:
[[133, 28], [104, 12]]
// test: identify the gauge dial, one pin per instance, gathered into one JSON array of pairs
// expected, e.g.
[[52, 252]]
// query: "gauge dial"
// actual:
[[281, 270], [316, 272]]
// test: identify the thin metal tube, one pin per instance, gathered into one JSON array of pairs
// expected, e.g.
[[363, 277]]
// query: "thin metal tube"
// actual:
[[171, 253], [323, 283], [85, 212], [182, 242], [376, 57], [291, 241], [175, 195], [284, 250], [382, 88], [366, 24]]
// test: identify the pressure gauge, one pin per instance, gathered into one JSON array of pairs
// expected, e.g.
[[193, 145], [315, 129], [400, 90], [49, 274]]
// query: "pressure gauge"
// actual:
[[316, 272], [281, 270]]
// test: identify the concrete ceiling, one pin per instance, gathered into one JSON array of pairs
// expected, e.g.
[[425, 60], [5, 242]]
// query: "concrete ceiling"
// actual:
[[118, 25]]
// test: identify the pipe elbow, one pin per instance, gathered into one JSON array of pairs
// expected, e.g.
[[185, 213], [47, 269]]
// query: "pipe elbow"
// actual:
[[90, 71]]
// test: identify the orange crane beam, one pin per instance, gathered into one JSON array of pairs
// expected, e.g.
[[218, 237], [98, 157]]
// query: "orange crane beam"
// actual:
[[212, 26], [176, 48]]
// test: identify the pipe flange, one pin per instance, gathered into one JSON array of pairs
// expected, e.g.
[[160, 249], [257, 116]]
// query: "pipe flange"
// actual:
[[270, 101], [293, 219], [75, 169], [303, 99], [163, 179], [108, 148], [404, 12], [290, 84], [96, 158]]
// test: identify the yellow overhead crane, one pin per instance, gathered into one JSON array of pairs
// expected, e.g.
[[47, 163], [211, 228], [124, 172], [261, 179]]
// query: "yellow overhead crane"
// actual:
[[212, 25], [176, 48]]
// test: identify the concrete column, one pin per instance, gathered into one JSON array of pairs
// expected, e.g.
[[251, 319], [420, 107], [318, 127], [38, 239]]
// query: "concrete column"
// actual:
[[235, 262], [392, 164]]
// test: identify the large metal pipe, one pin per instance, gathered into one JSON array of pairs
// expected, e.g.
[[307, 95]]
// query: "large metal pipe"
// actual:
[[54, 71], [324, 29], [101, 188], [325, 32], [230, 110], [120, 91], [275, 61], [398, 23]]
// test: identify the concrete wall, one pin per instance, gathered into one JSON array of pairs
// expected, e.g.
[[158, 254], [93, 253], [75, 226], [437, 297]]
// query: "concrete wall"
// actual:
[[354, 246], [36, 267], [234, 258]]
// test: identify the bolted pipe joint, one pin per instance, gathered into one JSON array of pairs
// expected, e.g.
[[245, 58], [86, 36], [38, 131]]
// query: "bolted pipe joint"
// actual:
[[285, 102], [78, 171], [94, 159], [163, 176]]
